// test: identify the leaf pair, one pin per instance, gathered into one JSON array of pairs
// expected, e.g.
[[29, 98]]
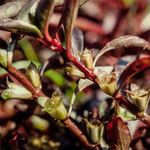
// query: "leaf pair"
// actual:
[[131, 70], [31, 18]]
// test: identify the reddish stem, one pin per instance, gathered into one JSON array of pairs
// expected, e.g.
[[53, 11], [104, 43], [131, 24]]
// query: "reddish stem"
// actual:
[[24, 81], [36, 93], [79, 134], [58, 47], [88, 73], [91, 75]]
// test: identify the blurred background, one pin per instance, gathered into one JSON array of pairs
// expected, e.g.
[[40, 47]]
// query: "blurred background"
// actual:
[[23, 126]]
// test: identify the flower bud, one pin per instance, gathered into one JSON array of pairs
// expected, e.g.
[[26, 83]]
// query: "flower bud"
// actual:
[[73, 71], [54, 106], [16, 91], [94, 131], [87, 58], [108, 82], [3, 57], [34, 76], [139, 97]]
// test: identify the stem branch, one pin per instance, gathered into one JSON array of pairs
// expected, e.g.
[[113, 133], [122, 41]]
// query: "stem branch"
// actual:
[[91, 75], [36, 93]]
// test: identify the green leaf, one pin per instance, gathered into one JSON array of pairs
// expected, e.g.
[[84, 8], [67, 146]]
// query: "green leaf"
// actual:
[[29, 51], [56, 77], [10, 10], [19, 26], [3, 57], [33, 75], [23, 64], [16, 91], [22, 23]]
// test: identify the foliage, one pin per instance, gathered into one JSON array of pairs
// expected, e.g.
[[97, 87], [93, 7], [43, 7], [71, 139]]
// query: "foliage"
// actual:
[[43, 63]]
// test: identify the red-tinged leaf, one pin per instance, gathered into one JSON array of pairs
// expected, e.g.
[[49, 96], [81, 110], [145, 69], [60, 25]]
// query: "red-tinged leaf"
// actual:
[[44, 13], [134, 68], [118, 135], [68, 19], [124, 41]]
